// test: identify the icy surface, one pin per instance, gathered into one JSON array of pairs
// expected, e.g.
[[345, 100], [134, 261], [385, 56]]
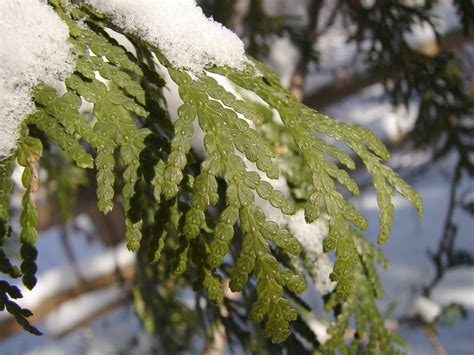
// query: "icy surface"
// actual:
[[179, 29], [33, 49]]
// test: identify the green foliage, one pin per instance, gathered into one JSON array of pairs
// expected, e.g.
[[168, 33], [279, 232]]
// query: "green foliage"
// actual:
[[6, 170], [8, 292], [6, 186], [195, 212], [371, 335], [444, 117], [302, 124], [28, 152], [225, 132]]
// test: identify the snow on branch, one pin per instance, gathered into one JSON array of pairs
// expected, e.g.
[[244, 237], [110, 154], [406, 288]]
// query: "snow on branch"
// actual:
[[179, 29], [33, 49]]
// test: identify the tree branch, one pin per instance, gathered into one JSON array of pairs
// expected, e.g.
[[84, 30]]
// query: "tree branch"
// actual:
[[9, 326], [330, 94], [298, 77], [441, 258]]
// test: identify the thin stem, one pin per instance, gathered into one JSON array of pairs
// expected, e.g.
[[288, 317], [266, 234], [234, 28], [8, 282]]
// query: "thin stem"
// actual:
[[298, 78]]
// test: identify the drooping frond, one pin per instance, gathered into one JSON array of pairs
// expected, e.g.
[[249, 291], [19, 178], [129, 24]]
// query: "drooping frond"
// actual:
[[204, 214]]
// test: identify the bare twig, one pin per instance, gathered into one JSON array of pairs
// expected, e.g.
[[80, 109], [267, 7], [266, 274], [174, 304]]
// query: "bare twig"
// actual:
[[298, 77], [434, 340], [442, 257]]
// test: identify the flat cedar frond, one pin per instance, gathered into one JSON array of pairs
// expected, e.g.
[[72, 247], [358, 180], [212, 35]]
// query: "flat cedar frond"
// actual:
[[204, 209]]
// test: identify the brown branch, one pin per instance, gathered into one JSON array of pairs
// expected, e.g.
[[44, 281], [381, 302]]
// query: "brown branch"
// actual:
[[9, 326], [434, 340], [330, 94], [299, 75], [218, 343], [428, 330]]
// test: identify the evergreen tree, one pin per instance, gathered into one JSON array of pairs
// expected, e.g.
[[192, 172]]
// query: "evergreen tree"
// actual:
[[240, 194]]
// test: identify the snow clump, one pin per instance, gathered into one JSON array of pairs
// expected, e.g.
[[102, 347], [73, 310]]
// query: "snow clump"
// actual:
[[426, 309], [310, 236], [33, 49], [179, 28]]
